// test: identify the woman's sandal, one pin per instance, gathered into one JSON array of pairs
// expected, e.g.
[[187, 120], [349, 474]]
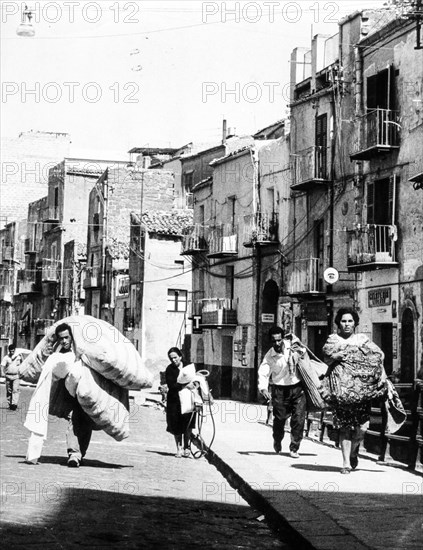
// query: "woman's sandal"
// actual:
[[178, 454], [346, 471]]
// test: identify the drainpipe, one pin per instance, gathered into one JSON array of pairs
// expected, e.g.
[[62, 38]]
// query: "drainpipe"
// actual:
[[105, 237], [256, 190]]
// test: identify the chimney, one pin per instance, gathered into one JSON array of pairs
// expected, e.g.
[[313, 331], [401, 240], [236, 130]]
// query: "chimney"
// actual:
[[231, 132], [224, 131]]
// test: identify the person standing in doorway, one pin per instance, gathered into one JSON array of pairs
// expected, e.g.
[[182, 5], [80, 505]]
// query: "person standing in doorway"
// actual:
[[279, 382], [10, 366]]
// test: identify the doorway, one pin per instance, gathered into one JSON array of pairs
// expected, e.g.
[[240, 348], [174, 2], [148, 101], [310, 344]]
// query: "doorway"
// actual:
[[382, 337], [317, 336], [407, 347], [226, 377]]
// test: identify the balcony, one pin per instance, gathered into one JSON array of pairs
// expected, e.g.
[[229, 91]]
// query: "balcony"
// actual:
[[310, 169], [194, 242], [371, 247], [223, 241], [306, 277], [31, 247], [51, 215], [5, 294], [42, 325], [7, 254], [50, 271], [92, 277], [218, 313], [380, 133], [27, 282], [260, 230]]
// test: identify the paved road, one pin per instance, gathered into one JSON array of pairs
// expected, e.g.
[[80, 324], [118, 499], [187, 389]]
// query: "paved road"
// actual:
[[133, 494]]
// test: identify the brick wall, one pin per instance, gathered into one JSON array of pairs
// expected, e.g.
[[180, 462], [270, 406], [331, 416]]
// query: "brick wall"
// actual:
[[25, 163]]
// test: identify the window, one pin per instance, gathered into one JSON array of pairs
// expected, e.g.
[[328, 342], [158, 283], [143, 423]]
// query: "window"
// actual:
[[180, 264], [229, 280], [176, 300], [231, 211]]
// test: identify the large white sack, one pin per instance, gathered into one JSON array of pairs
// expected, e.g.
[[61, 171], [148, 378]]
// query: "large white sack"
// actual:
[[105, 403], [101, 346]]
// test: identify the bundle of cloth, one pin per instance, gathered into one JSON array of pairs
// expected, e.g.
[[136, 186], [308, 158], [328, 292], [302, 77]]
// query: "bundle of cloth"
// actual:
[[100, 371], [358, 376]]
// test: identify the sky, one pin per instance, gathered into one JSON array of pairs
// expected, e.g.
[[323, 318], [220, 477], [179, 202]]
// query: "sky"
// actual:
[[118, 74]]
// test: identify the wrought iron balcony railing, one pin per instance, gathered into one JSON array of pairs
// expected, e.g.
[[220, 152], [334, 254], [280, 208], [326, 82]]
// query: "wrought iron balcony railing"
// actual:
[[194, 240], [6, 293], [305, 276], [28, 281], [260, 229], [223, 241], [310, 168], [50, 271], [371, 247], [51, 214], [218, 312], [380, 133]]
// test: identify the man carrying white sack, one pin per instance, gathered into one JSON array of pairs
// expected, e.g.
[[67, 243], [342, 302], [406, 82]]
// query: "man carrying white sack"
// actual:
[[84, 369]]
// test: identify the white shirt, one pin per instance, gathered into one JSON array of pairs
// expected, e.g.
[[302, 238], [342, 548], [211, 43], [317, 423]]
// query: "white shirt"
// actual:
[[275, 369]]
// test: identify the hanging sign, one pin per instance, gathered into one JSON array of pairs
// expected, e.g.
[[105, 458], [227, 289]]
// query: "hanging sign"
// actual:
[[331, 275]]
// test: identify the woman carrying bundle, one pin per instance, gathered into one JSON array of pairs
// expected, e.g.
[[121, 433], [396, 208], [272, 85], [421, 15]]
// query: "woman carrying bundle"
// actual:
[[356, 376]]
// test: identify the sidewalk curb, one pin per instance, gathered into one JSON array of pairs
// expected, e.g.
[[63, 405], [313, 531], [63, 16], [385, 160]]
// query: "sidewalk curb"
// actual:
[[275, 519]]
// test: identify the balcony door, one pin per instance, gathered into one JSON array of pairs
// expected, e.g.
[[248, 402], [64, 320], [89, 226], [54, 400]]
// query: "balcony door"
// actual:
[[321, 146]]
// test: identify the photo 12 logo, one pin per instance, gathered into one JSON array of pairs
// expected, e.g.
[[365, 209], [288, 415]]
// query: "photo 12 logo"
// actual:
[[70, 92], [71, 12], [269, 12]]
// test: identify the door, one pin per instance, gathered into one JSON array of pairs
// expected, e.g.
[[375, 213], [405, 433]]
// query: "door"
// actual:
[[226, 377]]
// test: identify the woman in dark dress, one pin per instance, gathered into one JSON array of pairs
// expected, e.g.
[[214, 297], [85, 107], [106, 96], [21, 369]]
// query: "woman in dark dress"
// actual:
[[180, 425]]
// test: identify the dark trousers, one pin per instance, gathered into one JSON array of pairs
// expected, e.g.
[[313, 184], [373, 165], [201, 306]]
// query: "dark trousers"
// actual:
[[12, 391], [78, 435], [289, 401]]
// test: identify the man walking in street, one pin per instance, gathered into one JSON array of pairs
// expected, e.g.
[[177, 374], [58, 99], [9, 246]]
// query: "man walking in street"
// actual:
[[279, 382], [80, 425], [10, 366]]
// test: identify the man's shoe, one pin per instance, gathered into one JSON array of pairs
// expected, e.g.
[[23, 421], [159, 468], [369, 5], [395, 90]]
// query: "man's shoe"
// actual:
[[294, 454], [354, 462], [277, 447], [13, 407], [73, 462]]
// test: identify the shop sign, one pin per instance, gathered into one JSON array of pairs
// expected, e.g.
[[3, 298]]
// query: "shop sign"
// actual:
[[267, 318], [379, 297]]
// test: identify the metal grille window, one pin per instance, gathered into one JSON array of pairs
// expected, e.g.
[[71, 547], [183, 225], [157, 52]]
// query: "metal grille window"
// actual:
[[176, 300]]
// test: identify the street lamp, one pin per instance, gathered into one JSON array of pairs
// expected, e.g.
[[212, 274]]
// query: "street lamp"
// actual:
[[26, 28]]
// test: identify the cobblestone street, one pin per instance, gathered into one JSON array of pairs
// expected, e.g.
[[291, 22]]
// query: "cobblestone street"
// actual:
[[133, 494]]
